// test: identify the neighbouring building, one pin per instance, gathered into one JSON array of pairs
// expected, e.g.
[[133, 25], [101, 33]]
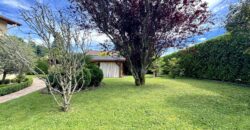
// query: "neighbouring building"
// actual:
[[4, 22], [111, 64]]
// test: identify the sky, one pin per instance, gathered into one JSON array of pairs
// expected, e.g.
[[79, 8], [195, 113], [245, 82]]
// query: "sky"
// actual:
[[10, 9]]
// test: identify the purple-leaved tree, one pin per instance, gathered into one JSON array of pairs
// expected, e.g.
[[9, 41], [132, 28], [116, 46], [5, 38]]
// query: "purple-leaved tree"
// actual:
[[142, 29]]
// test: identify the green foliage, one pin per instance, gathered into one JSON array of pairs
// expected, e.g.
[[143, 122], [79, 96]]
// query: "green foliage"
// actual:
[[155, 67], [42, 66], [20, 78], [82, 83], [10, 88], [52, 79], [6, 81], [222, 58], [96, 75], [39, 50], [85, 82], [174, 68], [238, 22], [12, 64]]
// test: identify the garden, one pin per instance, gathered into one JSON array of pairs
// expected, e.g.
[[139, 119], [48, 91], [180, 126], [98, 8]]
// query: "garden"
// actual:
[[163, 103], [205, 85]]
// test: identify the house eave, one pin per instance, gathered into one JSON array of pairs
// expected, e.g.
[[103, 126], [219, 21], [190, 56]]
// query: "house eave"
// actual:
[[9, 21]]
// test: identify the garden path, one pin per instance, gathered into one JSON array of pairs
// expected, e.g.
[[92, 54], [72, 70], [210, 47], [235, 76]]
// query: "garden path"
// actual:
[[37, 84]]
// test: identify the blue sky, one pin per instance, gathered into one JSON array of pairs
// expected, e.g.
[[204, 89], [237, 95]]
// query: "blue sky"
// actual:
[[10, 9]]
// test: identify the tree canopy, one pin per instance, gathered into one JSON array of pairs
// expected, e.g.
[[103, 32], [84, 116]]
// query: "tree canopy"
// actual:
[[238, 21], [142, 29], [10, 64]]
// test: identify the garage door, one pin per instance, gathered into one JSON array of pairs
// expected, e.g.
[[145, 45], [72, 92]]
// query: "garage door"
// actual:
[[110, 69]]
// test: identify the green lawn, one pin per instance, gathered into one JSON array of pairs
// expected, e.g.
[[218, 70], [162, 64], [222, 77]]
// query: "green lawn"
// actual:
[[162, 104]]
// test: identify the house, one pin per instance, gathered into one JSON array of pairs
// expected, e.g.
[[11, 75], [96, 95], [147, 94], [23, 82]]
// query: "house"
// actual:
[[4, 22], [110, 63]]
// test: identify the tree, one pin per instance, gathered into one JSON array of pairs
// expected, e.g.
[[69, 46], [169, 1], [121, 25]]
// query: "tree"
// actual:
[[10, 64], [155, 67], [66, 50], [142, 29], [238, 20], [39, 50], [7, 65]]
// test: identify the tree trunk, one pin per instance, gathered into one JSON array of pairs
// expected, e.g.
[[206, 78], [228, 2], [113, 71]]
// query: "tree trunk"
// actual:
[[154, 74], [66, 105], [4, 75], [138, 71], [139, 78]]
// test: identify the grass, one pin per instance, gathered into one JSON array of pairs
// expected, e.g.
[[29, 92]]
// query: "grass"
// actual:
[[162, 104]]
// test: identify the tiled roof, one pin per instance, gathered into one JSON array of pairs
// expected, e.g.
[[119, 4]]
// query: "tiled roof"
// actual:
[[98, 53], [93, 52], [107, 58]]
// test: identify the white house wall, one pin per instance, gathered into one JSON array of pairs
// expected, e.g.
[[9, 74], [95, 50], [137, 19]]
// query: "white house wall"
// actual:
[[3, 27]]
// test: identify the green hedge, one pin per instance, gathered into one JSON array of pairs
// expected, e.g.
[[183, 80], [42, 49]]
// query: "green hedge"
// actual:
[[222, 58], [10, 88]]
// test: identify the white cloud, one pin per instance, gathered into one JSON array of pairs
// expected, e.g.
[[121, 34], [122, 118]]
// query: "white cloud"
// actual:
[[16, 4], [219, 8], [202, 39], [37, 41], [218, 5], [213, 3], [99, 37]]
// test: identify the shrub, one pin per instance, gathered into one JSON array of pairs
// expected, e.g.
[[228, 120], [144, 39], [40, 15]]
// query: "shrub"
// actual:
[[6, 81], [174, 68], [86, 78], [92, 74], [85, 81], [222, 58], [20, 78], [96, 75], [42, 66], [53, 80], [10, 88]]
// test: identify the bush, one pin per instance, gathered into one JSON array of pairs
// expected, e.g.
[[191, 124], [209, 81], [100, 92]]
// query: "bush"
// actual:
[[222, 58], [96, 75], [42, 66], [53, 80], [85, 81], [92, 74], [6, 81], [20, 78], [10, 88], [86, 78], [174, 68]]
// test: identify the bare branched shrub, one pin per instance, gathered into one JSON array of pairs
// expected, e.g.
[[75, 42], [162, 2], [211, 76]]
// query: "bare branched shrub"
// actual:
[[66, 45]]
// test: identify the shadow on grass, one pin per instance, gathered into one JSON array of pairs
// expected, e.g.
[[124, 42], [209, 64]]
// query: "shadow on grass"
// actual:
[[116, 89]]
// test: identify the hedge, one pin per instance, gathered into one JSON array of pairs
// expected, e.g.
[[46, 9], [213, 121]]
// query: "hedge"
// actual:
[[10, 88], [222, 58]]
